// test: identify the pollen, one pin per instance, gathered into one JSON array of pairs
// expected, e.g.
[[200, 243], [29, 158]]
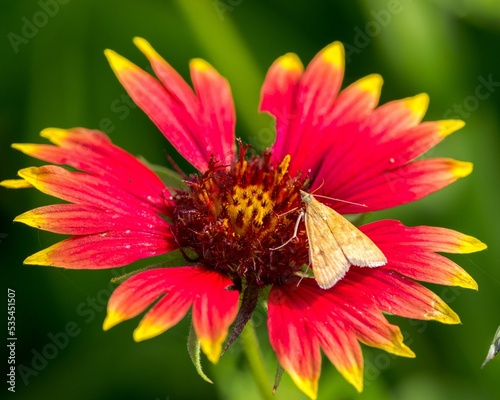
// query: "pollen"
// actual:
[[232, 217], [248, 208]]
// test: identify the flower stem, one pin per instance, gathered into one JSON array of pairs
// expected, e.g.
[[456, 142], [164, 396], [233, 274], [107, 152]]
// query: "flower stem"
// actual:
[[252, 351]]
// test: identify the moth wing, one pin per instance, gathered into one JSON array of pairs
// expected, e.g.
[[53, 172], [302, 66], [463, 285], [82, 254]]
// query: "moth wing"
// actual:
[[356, 246], [329, 263]]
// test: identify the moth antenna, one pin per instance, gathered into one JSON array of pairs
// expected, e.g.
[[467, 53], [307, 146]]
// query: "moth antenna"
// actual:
[[340, 200]]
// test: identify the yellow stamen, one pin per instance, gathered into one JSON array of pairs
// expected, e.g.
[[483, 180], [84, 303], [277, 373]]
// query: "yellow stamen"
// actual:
[[248, 207]]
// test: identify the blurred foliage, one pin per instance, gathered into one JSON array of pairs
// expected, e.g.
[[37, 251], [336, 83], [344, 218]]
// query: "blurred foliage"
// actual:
[[54, 74]]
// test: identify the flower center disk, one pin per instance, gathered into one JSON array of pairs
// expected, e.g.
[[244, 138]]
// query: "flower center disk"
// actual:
[[233, 217]]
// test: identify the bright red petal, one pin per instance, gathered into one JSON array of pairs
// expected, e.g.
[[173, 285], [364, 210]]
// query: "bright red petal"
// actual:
[[278, 97], [401, 296], [85, 189], [291, 337], [304, 318], [75, 219], [411, 251], [197, 126], [91, 151], [104, 250], [314, 93], [214, 306], [216, 111], [212, 106]]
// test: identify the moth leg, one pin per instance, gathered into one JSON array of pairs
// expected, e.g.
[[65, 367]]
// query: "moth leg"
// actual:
[[295, 231]]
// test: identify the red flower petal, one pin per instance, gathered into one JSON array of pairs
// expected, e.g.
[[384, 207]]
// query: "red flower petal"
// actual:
[[386, 177], [92, 151], [401, 296], [295, 344], [411, 250], [75, 219], [103, 250], [86, 189], [214, 306], [314, 93], [197, 128], [212, 107], [302, 318], [278, 97], [391, 188], [216, 111], [342, 349]]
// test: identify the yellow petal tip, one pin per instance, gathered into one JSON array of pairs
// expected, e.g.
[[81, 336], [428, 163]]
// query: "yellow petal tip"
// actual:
[[40, 258], [117, 62], [212, 349], [334, 54], [31, 219], [469, 244], [447, 127], [55, 135], [405, 351], [112, 318], [15, 184], [145, 47], [418, 104], [147, 330], [444, 314], [290, 62], [353, 375], [371, 83], [308, 386], [464, 280], [200, 65], [462, 168]]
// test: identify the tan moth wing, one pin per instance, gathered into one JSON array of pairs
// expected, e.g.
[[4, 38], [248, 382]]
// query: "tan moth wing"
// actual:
[[329, 264], [335, 244]]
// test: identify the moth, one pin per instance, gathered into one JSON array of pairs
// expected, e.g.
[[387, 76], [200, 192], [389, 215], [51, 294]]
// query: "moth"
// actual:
[[335, 244]]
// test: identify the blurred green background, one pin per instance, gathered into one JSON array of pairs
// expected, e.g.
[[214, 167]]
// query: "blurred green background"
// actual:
[[53, 73]]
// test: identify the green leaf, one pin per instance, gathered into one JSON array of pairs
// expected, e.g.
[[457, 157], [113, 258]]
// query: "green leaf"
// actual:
[[194, 349], [170, 178]]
